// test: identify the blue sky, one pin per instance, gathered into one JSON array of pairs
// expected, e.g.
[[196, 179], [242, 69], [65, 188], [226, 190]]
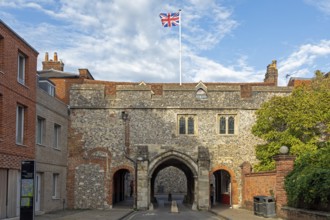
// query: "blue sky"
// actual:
[[222, 40]]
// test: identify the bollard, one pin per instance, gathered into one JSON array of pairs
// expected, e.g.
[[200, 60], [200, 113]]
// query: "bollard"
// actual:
[[174, 207]]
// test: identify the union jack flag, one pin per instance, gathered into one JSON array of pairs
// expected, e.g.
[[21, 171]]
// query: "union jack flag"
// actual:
[[170, 19]]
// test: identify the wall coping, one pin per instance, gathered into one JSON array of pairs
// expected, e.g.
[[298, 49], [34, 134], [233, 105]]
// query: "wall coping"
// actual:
[[263, 173], [305, 211]]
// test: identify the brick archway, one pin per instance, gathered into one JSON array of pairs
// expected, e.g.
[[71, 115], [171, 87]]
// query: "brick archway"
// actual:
[[233, 181]]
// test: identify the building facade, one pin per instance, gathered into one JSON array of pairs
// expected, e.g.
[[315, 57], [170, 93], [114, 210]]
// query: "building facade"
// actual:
[[122, 135], [18, 64], [51, 149]]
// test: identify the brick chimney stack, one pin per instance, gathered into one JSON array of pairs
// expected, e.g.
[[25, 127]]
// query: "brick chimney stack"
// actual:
[[272, 73], [46, 56], [55, 64]]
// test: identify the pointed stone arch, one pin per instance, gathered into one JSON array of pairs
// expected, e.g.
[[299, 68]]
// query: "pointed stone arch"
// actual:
[[181, 161], [172, 154]]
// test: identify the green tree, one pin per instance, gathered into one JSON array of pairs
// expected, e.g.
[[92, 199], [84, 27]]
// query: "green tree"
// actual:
[[299, 121], [308, 185]]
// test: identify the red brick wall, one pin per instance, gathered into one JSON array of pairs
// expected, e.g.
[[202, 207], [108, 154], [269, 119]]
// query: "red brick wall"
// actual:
[[13, 93], [63, 86], [256, 184]]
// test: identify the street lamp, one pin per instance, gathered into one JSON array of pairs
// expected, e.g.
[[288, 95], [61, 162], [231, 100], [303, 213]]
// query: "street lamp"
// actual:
[[124, 115], [284, 150]]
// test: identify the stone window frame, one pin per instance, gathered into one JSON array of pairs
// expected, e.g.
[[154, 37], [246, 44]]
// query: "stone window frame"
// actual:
[[227, 117], [201, 94], [201, 91], [186, 118]]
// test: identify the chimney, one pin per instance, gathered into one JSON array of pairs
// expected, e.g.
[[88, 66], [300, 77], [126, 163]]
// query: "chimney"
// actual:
[[46, 56], [271, 75], [52, 64]]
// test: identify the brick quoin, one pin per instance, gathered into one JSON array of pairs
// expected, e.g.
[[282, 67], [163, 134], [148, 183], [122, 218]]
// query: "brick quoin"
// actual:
[[284, 165]]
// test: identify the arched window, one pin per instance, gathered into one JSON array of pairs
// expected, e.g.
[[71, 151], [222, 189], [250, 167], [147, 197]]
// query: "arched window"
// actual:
[[231, 125], [190, 125], [201, 94], [222, 125], [226, 124], [186, 124], [182, 125]]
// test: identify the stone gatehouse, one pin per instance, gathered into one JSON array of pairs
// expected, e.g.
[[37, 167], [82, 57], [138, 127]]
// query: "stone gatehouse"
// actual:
[[122, 135]]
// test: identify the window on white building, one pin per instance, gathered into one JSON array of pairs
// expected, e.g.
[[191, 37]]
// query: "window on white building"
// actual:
[[55, 192], [57, 134], [40, 130]]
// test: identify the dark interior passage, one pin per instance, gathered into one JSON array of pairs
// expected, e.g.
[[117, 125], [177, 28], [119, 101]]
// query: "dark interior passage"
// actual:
[[220, 189]]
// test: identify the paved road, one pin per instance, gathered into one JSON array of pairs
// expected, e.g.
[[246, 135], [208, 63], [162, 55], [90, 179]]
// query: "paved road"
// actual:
[[165, 214]]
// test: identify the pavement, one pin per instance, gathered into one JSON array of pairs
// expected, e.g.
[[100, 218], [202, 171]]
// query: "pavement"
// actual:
[[228, 213], [112, 214], [124, 209], [118, 212]]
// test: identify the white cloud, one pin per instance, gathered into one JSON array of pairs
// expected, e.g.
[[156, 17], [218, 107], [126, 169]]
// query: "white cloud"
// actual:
[[322, 5], [301, 62], [118, 40]]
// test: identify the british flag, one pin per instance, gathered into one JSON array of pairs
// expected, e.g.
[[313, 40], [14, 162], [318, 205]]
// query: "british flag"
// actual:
[[170, 19]]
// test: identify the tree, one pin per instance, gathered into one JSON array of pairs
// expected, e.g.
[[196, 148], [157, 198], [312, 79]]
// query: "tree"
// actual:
[[300, 121], [308, 185]]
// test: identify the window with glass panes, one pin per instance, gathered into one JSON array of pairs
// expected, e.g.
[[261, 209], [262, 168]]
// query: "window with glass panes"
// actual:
[[187, 124], [40, 130], [57, 133], [21, 69], [19, 124], [226, 124]]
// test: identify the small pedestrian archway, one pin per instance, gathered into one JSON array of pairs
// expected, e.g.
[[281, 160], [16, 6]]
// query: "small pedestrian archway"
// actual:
[[122, 188], [223, 187], [187, 168]]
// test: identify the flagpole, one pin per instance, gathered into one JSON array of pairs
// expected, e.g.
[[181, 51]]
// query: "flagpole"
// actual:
[[180, 42]]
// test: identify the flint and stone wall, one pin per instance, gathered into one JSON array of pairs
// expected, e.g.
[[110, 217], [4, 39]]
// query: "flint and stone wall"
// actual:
[[171, 180], [96, 122]]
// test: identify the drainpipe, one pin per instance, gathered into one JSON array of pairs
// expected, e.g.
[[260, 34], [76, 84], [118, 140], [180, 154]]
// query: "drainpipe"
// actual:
[[125, 117]]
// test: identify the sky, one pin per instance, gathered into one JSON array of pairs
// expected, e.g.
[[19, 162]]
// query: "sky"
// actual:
[[222, 40]]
